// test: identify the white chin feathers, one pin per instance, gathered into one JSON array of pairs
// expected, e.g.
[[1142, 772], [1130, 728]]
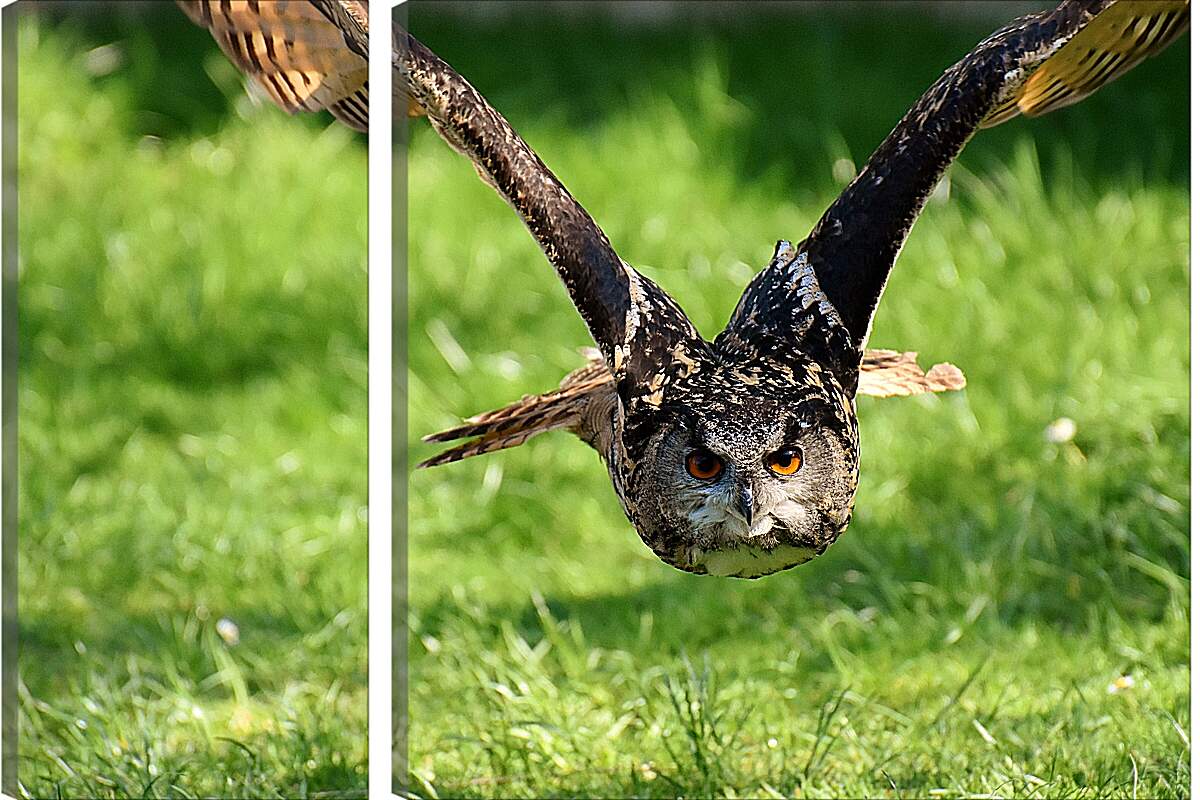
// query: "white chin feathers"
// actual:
[[728, 547], [713, 522]]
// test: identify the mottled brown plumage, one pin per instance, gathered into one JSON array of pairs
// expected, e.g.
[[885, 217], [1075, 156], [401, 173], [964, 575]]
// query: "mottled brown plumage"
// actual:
[[583, 403], [739, 456]]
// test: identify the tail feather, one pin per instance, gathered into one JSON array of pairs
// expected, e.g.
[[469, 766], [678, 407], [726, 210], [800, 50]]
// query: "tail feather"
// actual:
[[519, 422], [484, 444]]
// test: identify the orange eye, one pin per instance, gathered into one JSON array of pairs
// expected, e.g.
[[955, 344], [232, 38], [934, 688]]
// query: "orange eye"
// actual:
[[703, 465], [786, 461]]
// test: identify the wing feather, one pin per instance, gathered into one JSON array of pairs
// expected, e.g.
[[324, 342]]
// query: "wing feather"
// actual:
[[887, 373], [582, 404], [1116, 41], [296, 50], [1033, 65], [632, 320]]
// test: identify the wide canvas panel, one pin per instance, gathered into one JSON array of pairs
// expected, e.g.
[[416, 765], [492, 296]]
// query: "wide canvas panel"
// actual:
[[1008, 610]]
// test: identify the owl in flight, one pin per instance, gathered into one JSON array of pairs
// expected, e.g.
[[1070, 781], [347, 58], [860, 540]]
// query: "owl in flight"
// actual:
[[739, 456]]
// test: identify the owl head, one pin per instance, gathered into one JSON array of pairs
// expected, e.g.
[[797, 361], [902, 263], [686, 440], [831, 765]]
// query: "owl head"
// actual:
[[746, 468]]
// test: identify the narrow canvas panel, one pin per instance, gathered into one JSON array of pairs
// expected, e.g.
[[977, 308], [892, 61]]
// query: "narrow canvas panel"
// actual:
[[190, 401]]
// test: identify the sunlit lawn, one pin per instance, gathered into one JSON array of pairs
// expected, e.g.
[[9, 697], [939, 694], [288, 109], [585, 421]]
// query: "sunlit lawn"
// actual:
[[1006, 614], [192, 429]]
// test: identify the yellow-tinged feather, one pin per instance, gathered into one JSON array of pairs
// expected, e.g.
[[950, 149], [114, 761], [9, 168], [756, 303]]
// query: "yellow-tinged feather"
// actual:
[[1117, 40]]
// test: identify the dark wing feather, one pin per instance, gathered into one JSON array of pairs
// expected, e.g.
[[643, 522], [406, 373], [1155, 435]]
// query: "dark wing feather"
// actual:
[[632, 321], [308, 55], [1029, 65]]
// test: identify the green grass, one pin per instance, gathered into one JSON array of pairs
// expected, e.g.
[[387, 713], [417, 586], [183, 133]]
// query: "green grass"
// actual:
[[970, 633], [193, 429]]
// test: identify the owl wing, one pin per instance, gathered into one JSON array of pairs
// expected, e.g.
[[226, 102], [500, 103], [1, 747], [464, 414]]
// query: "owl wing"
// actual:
[[1033, 65], [886, 373], [308, 55], [1111, 44], [633, 322]]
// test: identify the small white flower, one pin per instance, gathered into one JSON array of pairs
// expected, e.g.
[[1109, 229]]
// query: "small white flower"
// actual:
[[288, 462], [1061, 431], [227, 629]]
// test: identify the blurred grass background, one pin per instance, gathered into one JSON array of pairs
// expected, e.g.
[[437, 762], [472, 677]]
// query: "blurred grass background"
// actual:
[[1007, 614], [193, 422]]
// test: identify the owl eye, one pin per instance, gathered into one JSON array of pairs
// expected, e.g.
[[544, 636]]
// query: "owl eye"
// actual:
[[786, 461], [703, 465]]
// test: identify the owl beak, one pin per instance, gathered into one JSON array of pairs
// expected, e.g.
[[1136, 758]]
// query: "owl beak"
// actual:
[[745, 505]]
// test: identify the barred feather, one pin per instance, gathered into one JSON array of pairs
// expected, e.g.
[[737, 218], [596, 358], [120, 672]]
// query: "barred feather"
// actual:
[[294, 50], [887, 373], [1116, 41], [568, 407]]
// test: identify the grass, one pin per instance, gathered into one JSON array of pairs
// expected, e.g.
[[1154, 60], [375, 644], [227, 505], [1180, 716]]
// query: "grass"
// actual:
[[1006, 616], [193, 460]]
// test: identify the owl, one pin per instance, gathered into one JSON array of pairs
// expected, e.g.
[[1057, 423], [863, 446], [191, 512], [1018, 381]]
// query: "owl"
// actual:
[[738, 456]]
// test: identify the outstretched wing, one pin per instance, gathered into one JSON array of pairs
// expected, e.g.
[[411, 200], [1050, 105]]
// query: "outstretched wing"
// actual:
[[308, 55], [1033, 65], [632, 320]]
